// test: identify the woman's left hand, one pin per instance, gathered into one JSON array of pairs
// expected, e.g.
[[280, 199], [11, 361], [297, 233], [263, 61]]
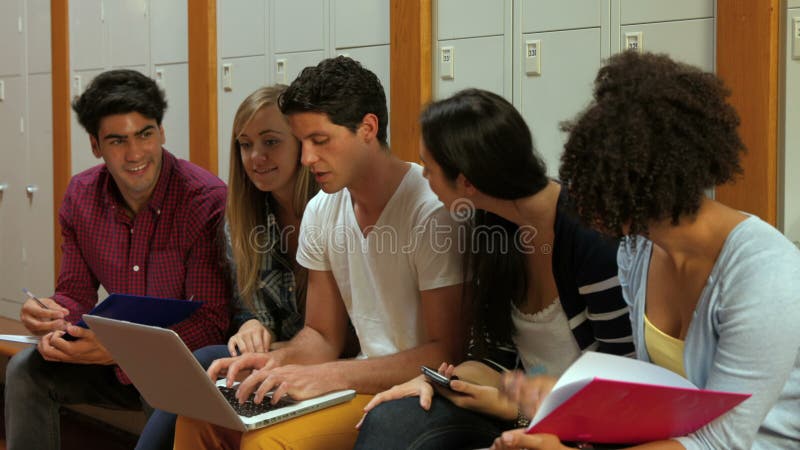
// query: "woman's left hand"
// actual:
[[517, 439]]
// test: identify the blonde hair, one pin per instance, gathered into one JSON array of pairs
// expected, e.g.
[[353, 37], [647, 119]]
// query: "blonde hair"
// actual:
[[245, 210]]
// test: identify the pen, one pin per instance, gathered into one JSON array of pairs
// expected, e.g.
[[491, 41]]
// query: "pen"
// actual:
[[30, 295]]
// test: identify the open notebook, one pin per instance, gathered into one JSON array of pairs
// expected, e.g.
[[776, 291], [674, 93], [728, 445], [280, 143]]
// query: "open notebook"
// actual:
[[169, 377]]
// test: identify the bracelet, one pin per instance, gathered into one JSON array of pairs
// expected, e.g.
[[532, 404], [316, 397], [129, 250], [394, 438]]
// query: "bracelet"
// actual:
[[521, 421]]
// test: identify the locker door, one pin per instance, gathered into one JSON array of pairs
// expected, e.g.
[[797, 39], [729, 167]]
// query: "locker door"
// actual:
[[86, 35], [247, 74], [81, 150], [469, 18], [174, 79], [540, 15], [643, 11], [569, 61], [38, 34], [477, 62], [690, 41], [38, 218], [12, 197], [360, 23], [169, 28], [287, 66], [791, 145], [128, 32], [12, 48], [299, 25], [242, 28]]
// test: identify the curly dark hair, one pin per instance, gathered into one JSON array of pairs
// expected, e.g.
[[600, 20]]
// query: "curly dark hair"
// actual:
[[119, 92], [342, 89], [656, 135]]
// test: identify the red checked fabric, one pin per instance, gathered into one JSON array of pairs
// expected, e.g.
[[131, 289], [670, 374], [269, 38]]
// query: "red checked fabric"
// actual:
[[170, 249]]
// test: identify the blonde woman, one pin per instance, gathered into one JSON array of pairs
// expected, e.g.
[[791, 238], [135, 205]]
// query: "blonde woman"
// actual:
[[267, 193]]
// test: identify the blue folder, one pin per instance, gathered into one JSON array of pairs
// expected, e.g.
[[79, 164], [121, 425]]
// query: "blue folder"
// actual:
[[153, 311]]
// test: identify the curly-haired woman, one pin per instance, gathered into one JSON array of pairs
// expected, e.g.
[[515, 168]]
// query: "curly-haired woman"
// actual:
[[714, 292]]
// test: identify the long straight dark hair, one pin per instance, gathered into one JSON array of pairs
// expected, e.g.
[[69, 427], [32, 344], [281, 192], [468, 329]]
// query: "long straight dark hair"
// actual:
[[482, 136]]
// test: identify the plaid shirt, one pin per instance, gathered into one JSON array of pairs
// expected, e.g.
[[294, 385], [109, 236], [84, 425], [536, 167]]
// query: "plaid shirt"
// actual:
[[275, 300], [169, 249]]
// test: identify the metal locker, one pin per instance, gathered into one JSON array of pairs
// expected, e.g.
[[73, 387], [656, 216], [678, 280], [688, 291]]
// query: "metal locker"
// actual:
[[791, 143], [545, 15], [360, 23], [174, 79], [690, 41], [11, 28], [470, 18], [169, 28], [241, 28], [38, 215], [476, 62], [81, 150], [644, 11], [569, 61], [38, 35], [128, 32], [299, 25], [87, 35], [246, 75], [12, 194]]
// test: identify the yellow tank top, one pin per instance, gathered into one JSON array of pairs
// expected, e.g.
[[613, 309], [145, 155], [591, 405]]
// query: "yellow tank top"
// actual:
[[664, 350]]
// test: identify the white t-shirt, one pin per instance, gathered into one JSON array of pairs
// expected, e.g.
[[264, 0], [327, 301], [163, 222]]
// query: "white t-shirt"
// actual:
[[412, 248]]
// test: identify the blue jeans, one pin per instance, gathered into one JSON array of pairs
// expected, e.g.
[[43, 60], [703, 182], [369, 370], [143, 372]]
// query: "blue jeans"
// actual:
[[159, 432], [403, 424], [36, 389]]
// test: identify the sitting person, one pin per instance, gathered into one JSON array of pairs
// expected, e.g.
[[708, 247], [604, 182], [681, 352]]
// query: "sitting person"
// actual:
[[542, 285], [369, 243], [267, 193], [143, 223], [714, 292]]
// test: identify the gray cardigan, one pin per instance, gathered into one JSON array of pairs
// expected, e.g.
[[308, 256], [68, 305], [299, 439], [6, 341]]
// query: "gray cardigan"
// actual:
[[743, 336]]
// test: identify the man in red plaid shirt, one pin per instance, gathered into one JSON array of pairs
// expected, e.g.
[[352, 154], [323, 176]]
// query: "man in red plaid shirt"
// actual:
[[143, 223]]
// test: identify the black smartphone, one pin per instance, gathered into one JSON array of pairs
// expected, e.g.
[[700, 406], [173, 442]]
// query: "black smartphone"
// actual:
[[436, 377]]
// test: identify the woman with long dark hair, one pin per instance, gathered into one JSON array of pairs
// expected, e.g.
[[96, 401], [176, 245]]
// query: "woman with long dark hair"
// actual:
[[542, 286]]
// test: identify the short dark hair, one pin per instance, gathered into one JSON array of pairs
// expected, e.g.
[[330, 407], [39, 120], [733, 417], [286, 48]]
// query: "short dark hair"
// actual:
[[342, 89], [656, 135], [119, 92]]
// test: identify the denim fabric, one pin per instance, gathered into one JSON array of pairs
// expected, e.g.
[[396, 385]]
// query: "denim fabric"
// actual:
[[403, 424], [36, 389], [159, 432]]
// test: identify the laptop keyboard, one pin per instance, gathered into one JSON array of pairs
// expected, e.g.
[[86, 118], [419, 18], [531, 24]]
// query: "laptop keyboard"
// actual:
[[248, 408]]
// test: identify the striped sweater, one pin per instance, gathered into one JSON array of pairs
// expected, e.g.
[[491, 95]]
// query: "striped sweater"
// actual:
[[585, 271]]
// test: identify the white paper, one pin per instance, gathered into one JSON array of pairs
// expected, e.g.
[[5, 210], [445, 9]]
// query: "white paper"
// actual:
[[25, 339]]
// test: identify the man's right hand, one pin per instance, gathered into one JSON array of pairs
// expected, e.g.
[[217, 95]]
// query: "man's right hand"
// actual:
[[231, 367], [41, 321]]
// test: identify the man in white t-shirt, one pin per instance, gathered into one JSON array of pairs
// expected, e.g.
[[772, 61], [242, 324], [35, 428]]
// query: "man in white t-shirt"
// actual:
[[381, 251]]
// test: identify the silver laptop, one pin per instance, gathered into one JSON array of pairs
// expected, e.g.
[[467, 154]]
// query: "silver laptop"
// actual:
[[169, 377]]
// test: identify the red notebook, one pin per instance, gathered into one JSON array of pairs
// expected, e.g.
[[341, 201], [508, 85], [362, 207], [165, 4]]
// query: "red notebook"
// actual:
[[610, 399]]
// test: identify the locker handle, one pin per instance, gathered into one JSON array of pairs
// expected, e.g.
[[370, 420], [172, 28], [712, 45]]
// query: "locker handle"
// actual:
[[31, 188]]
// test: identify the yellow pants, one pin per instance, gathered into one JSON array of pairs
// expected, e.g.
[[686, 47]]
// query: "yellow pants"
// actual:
[[328, 429]]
